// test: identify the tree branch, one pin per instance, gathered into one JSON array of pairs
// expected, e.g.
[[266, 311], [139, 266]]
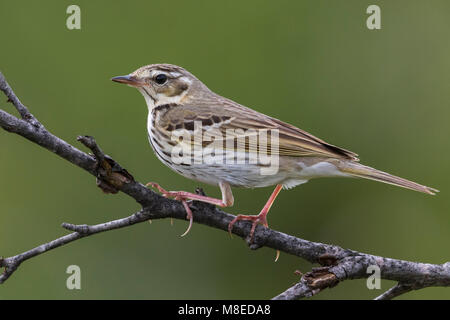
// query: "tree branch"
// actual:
[[12, 263], [338, 264], [23, 111], [395, 291]]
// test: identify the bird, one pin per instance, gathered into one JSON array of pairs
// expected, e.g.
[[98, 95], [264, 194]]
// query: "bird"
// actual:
[[217, 141]]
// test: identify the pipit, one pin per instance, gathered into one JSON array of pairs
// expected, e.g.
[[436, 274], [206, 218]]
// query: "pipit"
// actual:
[[225, 144]]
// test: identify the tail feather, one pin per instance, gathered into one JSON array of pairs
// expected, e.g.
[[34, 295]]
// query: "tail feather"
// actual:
[[359, 170]]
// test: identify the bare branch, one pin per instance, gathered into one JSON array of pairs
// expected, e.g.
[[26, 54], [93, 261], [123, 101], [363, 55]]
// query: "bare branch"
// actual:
[[338, 264], [298, 291], [12, 263], [411, 275], [24, 113], [395, 291]]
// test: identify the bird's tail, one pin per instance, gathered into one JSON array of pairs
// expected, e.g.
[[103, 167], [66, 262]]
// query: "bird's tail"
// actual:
[[361, 171]]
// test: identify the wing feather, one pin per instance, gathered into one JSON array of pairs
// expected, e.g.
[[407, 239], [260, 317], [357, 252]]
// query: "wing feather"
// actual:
[[231, 120]]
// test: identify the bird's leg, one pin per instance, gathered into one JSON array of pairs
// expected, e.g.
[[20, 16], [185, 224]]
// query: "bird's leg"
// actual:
[[227, 195], [183, 196], [261, 217]]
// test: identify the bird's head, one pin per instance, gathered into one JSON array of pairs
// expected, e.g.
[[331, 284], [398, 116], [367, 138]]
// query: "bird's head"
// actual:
[[162, 84]]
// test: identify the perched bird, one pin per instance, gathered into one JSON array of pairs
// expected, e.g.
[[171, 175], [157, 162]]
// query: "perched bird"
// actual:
[[216, 137]]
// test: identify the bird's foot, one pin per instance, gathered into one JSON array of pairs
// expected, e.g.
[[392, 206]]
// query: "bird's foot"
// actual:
[[186, 195], [183, 196], [260, 218], [179, 196]]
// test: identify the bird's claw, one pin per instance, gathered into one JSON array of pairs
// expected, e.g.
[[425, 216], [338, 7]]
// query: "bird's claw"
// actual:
[[189, 216], [178, 197], [259, 219]]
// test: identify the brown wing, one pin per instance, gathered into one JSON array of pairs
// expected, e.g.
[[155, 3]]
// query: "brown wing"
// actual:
[[225, 114]]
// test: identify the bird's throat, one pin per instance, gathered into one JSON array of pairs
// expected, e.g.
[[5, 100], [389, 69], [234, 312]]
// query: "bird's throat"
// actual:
[[151, 102]]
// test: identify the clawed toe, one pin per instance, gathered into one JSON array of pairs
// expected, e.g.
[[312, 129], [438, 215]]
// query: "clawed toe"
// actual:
[[163, 191], [189, 216], [259, 219], [179, 197]]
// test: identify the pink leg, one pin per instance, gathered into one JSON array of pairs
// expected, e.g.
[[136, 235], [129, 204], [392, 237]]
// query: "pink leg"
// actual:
[[227, 199], [187, 195], [261, 217]]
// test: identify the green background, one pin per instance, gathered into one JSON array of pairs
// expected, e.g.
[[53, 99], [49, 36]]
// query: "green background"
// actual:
[[383, 94]]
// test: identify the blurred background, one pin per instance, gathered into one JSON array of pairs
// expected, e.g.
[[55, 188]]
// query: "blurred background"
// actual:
[[384, 94]]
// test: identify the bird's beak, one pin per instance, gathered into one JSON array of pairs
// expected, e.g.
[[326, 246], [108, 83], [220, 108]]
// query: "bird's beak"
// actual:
[[130, 80]]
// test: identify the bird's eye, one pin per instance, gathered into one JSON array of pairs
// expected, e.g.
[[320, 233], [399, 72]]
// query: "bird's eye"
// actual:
[[161, 78]]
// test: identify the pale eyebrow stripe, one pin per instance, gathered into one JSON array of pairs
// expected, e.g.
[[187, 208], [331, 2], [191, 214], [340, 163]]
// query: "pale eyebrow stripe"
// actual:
[[172, 74]]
